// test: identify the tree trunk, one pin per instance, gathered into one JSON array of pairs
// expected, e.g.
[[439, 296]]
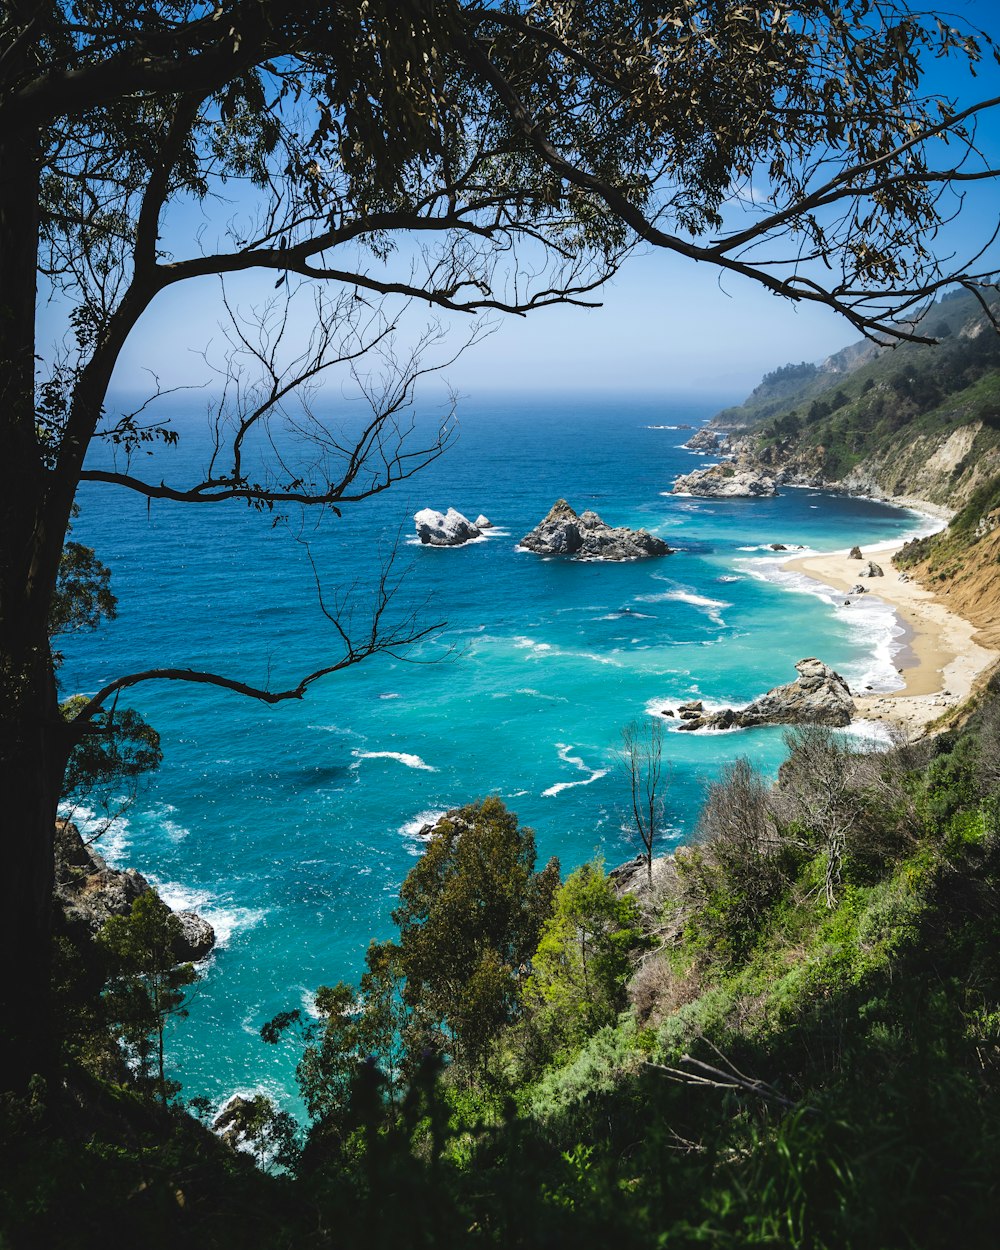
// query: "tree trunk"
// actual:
[[33, 738]]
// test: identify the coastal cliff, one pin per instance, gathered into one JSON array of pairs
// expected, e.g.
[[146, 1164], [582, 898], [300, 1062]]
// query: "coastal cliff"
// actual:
[[916, 425]]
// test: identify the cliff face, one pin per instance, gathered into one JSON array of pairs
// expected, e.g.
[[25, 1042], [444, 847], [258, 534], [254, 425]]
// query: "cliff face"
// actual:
[[920, 422]]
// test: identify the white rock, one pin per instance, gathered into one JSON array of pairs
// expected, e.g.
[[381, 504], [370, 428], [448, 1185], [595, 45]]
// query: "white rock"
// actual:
[[449, 529], [483, 522]]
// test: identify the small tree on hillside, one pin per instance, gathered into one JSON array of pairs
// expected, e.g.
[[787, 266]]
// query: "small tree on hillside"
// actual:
[[147, 985], [584, 958], [641, 760], [470, 915]]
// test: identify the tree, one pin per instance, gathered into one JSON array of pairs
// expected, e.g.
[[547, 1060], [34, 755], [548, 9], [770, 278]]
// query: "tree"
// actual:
[[355, 1027], [529, 145], [146, 985], [641, 760], [583, 958], [470, 914]]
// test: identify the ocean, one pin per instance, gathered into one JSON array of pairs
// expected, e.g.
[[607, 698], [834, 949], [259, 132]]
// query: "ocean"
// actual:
[[291, 827]]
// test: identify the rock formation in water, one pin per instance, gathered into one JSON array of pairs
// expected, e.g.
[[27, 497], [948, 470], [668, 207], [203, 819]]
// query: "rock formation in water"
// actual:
[[89, 892], [444, 529], [708, 440], [564, 533], [726, 481], [820, 696], [483, 522]]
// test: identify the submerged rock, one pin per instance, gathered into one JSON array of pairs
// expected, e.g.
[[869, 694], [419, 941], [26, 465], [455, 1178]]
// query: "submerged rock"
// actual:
[[564, 533], [89, 892], [444, 529], [820, 696]]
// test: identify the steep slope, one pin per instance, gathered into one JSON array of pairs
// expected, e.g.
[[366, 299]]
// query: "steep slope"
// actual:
[[914, 424], [913, 421]]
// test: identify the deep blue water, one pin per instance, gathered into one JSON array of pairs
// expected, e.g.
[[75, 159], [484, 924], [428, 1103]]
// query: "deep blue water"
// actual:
[[292, 827]]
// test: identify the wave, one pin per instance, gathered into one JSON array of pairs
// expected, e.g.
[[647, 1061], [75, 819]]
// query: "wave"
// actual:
[[403, 757], [111, 838], [413, 828], [713, 607], [224, 918], [875, 735], [414, 541], [871, 624], [564, 754], [389, 694]]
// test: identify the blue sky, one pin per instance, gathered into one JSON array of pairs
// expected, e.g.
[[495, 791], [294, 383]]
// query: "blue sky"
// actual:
[[667, 325]]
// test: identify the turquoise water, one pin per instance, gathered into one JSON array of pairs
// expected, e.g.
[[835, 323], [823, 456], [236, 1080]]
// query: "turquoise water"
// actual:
[[292, 827]]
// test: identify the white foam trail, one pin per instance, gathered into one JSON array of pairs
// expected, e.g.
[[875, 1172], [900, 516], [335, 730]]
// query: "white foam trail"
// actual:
[[389, 694], [564, 754], [713, 607], [402, 757]]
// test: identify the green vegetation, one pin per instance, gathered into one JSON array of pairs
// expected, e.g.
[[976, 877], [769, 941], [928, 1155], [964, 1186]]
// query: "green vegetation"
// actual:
[[890, 408], [794, 1041]]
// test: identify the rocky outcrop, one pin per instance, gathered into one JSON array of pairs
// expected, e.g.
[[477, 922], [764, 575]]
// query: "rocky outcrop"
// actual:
[[444, 529], [89, 892], [726, 481], [708, 440], [564, 533], [483, 522], [855, 554], [820, 696], [871, 570]]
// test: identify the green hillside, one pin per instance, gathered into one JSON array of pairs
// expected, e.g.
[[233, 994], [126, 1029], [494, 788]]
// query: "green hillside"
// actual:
[[890, 415]]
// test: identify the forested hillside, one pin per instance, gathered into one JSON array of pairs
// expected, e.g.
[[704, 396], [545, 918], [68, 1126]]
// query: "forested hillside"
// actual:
[[793, 1039], [914, 420]]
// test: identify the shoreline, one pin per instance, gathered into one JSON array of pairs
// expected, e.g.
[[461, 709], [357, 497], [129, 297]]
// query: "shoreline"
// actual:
[[941, 661]]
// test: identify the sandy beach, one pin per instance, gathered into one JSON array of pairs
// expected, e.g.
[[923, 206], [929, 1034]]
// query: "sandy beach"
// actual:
[[941, 662]]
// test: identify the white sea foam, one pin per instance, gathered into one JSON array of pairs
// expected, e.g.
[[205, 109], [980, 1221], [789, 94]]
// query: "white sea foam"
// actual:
[[174, 831], [225, 918], [111, 837], [523, 643], [713, 607], [402, 757], [871, 623], [596, 774], [412, 828], [874, 735]]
